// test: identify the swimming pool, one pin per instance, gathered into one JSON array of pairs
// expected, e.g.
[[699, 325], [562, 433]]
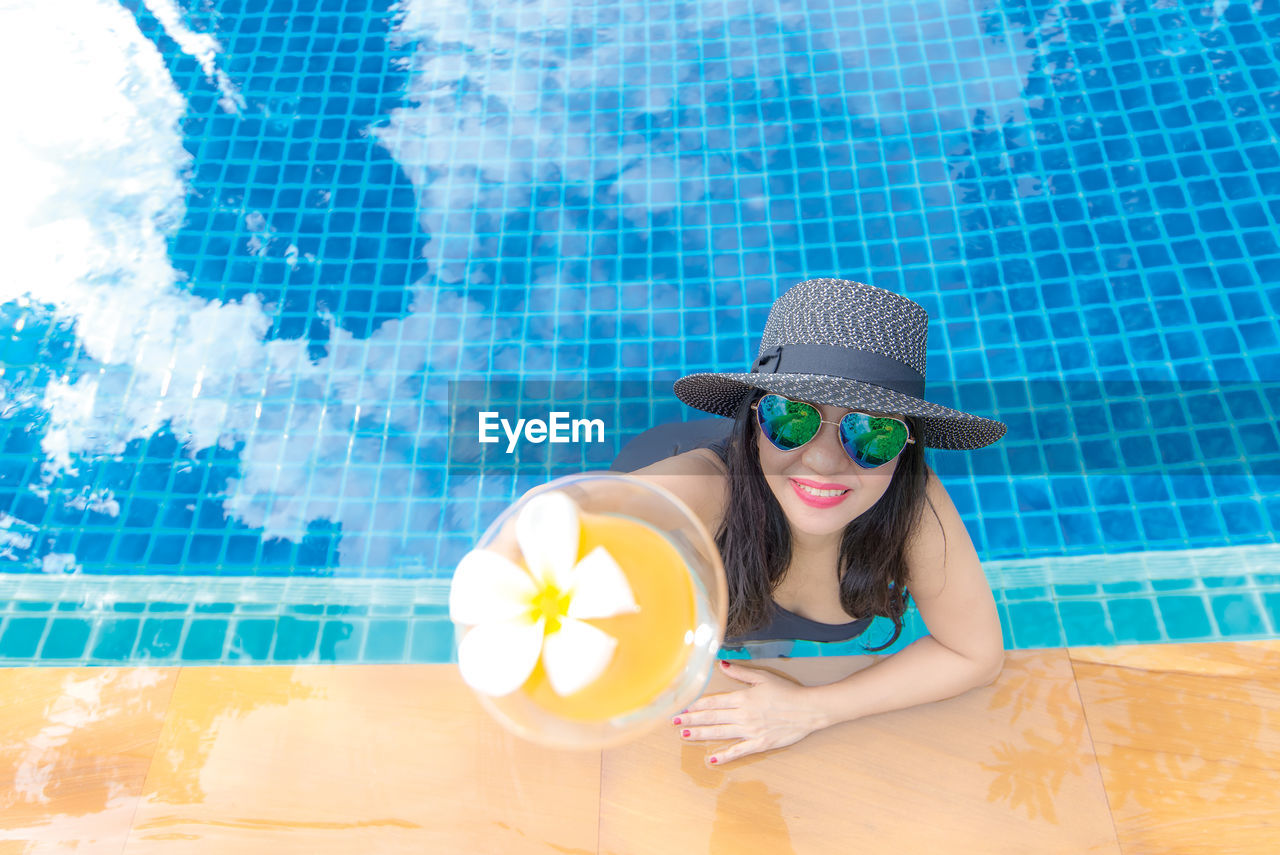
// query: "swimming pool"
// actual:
[[258, 261]]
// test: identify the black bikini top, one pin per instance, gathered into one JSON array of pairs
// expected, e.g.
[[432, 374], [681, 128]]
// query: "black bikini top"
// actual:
[[791, 626]]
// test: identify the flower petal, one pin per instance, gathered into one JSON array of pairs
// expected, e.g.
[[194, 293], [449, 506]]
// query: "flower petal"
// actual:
[[547, 530], [600, 588], [487, 587], [576, 655], [497, 657]]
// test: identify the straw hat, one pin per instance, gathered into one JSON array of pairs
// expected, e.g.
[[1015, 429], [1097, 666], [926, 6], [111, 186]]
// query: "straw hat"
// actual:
[[832, 341]]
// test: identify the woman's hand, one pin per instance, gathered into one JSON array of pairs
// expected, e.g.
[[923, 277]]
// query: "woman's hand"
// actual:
[[772, 712]]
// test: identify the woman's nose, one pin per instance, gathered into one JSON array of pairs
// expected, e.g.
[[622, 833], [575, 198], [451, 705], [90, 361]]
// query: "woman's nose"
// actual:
[[824, 453]]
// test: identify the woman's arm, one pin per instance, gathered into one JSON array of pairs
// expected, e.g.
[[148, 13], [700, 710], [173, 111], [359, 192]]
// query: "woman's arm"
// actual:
[[922, 672], [698, 478], [964, 648]]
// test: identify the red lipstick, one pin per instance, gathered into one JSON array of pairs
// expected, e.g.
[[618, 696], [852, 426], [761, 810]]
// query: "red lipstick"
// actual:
[[818, 501]]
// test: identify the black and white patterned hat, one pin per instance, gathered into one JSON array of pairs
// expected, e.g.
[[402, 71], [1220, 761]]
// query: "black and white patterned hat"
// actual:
[[846, 344]]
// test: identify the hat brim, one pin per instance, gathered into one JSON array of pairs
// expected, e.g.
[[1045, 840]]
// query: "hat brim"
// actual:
[[721, 395]]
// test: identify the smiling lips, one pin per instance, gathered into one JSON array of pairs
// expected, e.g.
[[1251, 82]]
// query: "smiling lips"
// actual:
[[816, 494]]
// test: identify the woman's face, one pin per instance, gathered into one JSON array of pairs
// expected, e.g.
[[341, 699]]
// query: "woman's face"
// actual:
[[822, 465]]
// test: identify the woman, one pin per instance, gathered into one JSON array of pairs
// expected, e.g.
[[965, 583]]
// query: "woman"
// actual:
[[818, 497]]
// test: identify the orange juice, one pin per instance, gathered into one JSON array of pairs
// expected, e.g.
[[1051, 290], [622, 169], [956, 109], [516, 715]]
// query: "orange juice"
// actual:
[[653, 643]]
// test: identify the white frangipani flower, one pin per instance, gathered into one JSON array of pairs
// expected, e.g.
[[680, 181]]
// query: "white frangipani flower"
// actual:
[[517, 616]]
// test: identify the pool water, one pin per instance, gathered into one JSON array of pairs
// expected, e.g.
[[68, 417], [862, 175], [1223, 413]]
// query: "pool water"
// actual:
[[263, 267]]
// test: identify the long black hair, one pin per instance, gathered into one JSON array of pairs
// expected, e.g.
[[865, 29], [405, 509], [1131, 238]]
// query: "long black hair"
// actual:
[[754, 537]]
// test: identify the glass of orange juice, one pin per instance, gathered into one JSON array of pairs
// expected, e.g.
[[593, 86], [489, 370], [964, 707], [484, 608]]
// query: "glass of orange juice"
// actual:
[[658, 647]]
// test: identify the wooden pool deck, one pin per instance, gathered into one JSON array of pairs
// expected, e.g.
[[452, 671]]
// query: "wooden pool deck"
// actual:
[[1146, 749]]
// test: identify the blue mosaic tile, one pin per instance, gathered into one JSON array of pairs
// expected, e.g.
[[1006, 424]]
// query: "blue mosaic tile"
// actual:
[[21, 637], [341, 641], [385, 641], [205, 641], [159, 638], [1126, 587], [1062, 591], [1120, 527], [252, 640], [1184, 617], [1095, 197], [1027, 593], [1270, 604], [389, 610], [1084, 623], [1134, 620], [1223, 581], [432, 641], [1244, 518], [295, 639], [115, 639], [214, 608], [345, 610], [1079, 529], [1239, 615], [66, 639], [1035, 624]]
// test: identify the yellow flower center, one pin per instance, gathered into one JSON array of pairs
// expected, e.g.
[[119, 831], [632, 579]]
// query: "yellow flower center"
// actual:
[[550, 603]]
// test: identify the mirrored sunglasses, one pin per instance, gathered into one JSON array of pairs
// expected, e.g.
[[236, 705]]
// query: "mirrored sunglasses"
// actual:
[[870, 441]]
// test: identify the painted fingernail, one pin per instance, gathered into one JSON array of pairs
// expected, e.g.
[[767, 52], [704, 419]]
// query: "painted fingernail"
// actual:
[[684, 733], [676, 720], [724, 664], [714, 761]]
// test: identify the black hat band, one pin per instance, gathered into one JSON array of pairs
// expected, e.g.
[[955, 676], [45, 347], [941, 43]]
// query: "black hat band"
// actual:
[[848, 362]]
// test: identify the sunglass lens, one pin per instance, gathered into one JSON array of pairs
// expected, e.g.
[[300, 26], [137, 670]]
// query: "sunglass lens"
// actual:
[[787, 424], [872, 441]]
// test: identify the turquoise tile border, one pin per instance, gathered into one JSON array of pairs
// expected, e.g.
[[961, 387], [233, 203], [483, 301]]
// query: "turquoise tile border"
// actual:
[[98, 620]]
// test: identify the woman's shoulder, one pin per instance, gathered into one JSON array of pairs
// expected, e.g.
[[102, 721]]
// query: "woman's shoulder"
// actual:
[[698, 478], [933, 538], [948, 584]]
